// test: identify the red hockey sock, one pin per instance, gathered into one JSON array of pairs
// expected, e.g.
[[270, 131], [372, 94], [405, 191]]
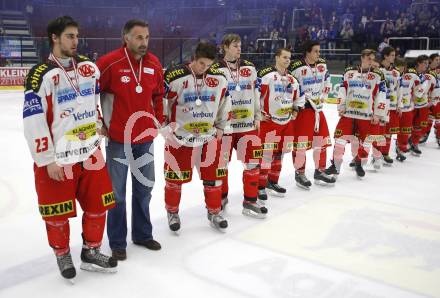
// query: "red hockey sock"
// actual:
[[275, 169], [299, 159], [213, 196], [173, 192], [225, 186], [250, 184], [93, 228], [320, 158], [58, 234]]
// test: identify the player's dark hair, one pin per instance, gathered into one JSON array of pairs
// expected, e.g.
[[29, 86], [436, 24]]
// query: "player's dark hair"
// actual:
[[387, 51], [132, 23], [205, 50], [367, 52], [400, 62], [279, 51], [308, 46], [433, 56], [58, 25], [230, 38], [422, 58]]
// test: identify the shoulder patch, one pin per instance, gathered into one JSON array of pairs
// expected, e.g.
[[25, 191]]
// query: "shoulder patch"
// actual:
[[380, 73], [175, 73], [433, 73], [295, 64], [81, 58], [265, 71], [246, 63], [350, 68], [321, 61], [215, 72], [34, 79], [217, 65], [412, 70]]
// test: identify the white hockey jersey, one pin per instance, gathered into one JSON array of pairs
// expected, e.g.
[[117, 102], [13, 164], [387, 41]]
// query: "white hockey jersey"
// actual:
[[245, 102], [279, 94], [314, 81], [362, 95], [428, 81], [196, 115], [60, 125], [410, 89], [392, 77]]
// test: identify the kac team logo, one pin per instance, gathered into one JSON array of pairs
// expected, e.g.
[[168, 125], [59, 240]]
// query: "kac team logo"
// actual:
[[86, 70], [245, 72], [125, 79], [211, 82]]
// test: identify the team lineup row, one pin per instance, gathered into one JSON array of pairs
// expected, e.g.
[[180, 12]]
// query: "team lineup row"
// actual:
[[212, 107]]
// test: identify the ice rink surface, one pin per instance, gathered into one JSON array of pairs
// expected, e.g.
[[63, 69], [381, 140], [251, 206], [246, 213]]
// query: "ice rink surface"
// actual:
[[379, 237]]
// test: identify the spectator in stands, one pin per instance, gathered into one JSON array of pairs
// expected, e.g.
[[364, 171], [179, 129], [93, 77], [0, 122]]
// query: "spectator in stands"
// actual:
[[347, 35], [376, 14], [313, 33], [334, 20], [401, 24], [2, 32], [347, 17], [424, 16], [323, 37], [387, 28], [332, 35], [384, 44]]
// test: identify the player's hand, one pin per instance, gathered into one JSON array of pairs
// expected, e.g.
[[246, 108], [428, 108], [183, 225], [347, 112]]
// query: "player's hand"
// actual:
[[265, 116], [103, 131], [55, 172], [375, 119], [257, 125], [294, 114], [219, 134], [341, 112]]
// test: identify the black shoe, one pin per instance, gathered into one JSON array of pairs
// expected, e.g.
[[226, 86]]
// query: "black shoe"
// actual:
[[387, 160], [359, 170], [65, 265], [302, 181], [275, 189], [151, 244], [119, 254]]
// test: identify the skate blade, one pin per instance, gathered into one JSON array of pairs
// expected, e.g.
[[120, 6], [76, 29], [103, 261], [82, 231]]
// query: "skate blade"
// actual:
[[335, 176], [275, 194], [388, 165], [322, 183], [415, 154], [302, 186], [253, 214], [360, 178], [70, 281], [95, 268]]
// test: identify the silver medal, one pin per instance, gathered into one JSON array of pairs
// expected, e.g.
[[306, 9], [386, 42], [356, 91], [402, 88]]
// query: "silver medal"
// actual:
[[198, 102], [138, 89], [237, 88]]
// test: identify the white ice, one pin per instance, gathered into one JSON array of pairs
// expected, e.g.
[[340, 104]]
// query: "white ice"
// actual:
[[379, 237]]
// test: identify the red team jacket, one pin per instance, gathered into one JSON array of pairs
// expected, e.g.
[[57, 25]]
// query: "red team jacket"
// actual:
[[119, 100]]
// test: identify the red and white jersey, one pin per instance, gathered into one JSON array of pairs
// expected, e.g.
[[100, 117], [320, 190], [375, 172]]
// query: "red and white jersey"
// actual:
[[196, 105], [314, 81], [245, 99], [435, 94], [279, 94], [428, 83], [60, 124], [392, 77], [362, 94], [409, 89]]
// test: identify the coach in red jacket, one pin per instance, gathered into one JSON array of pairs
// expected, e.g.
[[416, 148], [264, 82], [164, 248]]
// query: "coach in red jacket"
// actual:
[[132, 92]]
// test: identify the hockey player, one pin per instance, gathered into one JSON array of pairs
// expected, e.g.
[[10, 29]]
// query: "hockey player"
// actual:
[[422, 103], [392, 77], [434, 115], [410, 88], [311, 129], [280, 100], [245, 123], [198, 114], [61, 126], [362, 103]]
